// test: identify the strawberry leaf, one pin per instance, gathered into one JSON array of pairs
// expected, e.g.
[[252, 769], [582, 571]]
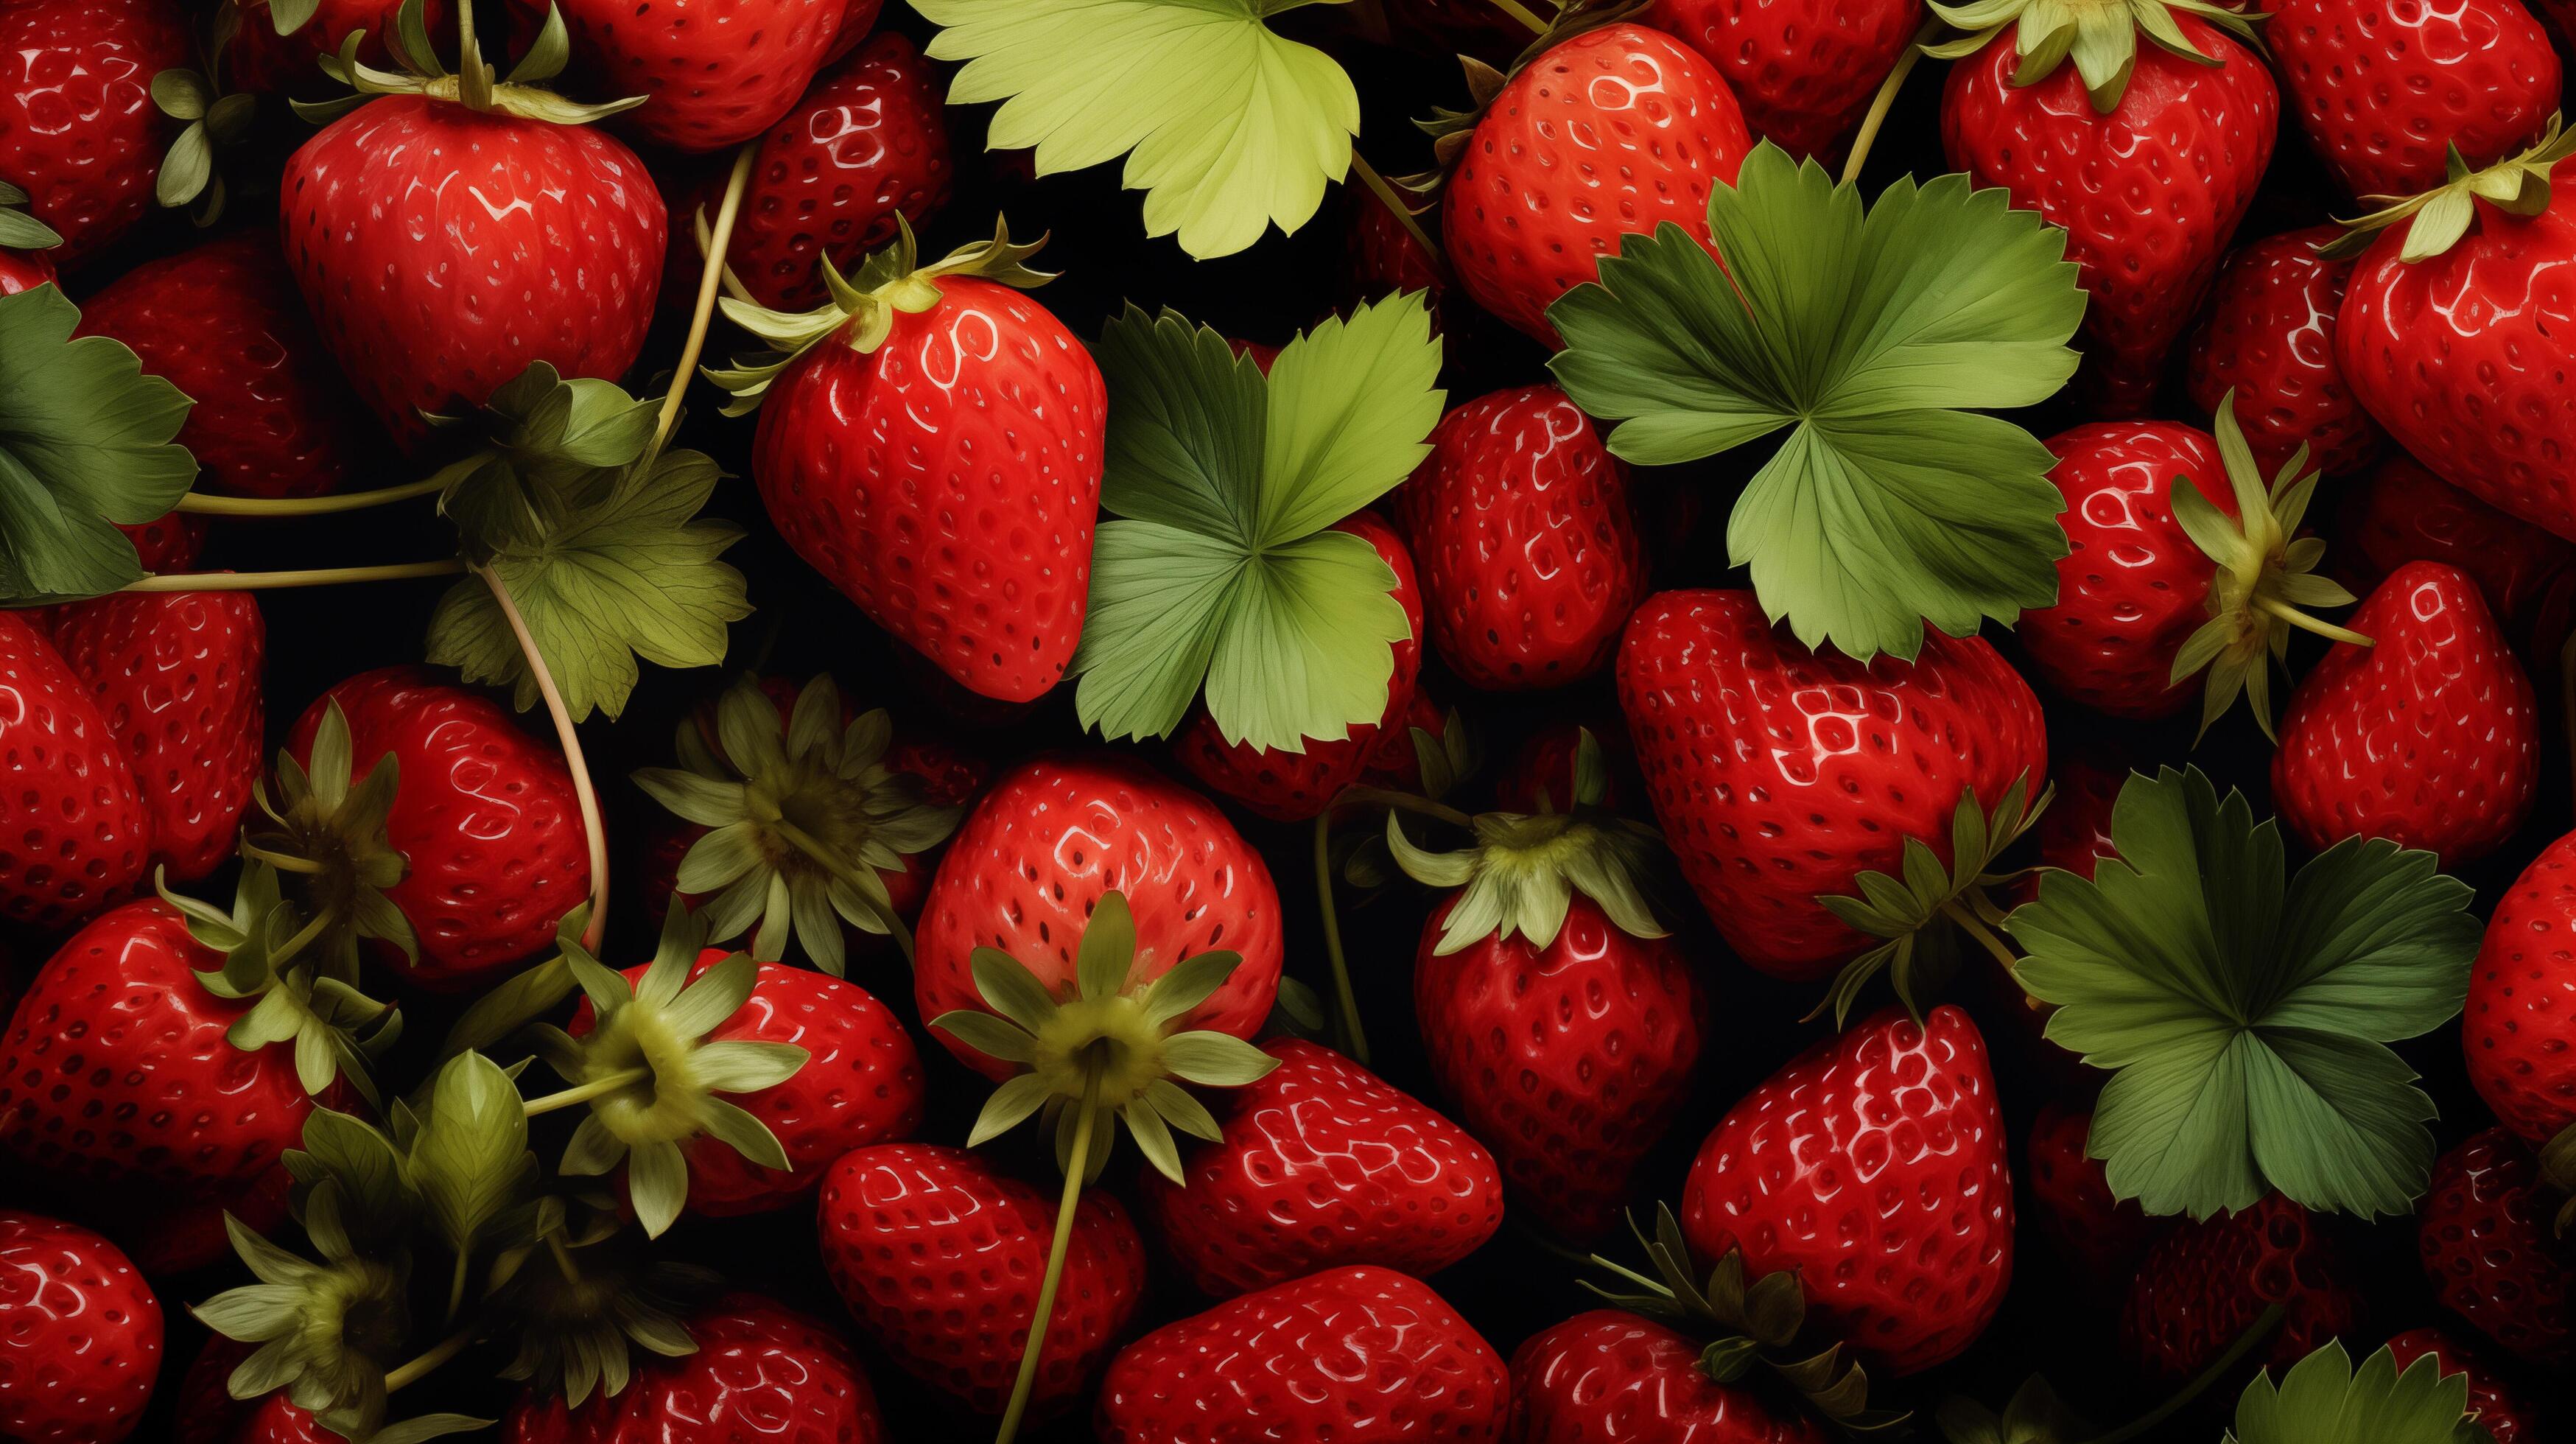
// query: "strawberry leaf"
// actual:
[[1226, 127], [1860, 335], [1223, 574], [2322, 1399], [2244, 1017], [471, 1163]]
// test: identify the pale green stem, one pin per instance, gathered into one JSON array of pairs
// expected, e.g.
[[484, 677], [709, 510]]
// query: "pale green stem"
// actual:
[[1075, 1167], [2306, 623], [1522, 13], [439, 1353], [581, 1093], [594, 830], [296, 506], [708, 280], [2140, 1427], [277, 581], [1880, 103]]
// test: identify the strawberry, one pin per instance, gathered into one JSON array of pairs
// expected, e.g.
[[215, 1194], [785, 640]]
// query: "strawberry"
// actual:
[[714, 75], [2431, 738], [2209, 1279], [1381, 258], [2401, 512], [1611, 132], [80, 1335], [2269, 337], [1323, 1165], [2075, 832], [1805, 70], [2483, 1232], [24, 271], [2101, 1234], [2385, 92], [258, 60], [1304, 1362], [1781, 775], [1529, 552], [1054, 834], [224, 323], [83, 834], [938, 1257], [1612, 1377], [167, 1237], [2518, 1029], [1541, 777], [760, 1370], [2497, 1405], [2148, 165], [1901, 1237], [78, 129]]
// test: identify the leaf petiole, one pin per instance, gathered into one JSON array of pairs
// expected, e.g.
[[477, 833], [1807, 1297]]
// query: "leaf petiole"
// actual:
[[288, 508], [1885, 100], [594, 830], [1522, 13], [1969, 924], [1346, 1005], [713, 246], [2255, 1333], [278, 581], [1078, 1164], [439, 1353]]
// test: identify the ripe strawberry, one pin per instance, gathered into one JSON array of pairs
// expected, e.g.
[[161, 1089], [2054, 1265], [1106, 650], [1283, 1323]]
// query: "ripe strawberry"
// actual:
[[1380, 257], [2430, 738], [1529, 552], [938, 1257], [2498, 1406], [2101, 1234], [1053, 834], [1613, 131], [80, 1335], [2401, 512], [2178, 141], [81, 833], [2210, 1279], [1901, 1239], [1804, 69], [2385, 91], [2518, 1030], [1612, 1377], [760, 1371], [2075, 832], [170, 1236], [1302, 1362], [24, 271], [1323, 1165], [208, 1412], [258, 60], [78, 129], [2269, 338], [714, 75], [1781, 775], [2489, 1252]]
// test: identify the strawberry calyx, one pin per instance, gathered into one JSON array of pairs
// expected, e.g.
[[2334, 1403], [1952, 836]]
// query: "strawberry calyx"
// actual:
[[2100, 36], [806, 819], [337, 1032], [19, 229], [474, 84], [1922, 912], [2436, 220], [325, 838], [542, 436], [2557, 1162], [584, 1300], [210, 122]]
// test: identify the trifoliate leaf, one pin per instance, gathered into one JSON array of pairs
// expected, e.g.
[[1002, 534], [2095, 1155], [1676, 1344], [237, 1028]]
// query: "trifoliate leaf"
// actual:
[[1223, 574], [2244, 1016], [2322, 1399], [1861, 335], [85, 445], [1226, 127]]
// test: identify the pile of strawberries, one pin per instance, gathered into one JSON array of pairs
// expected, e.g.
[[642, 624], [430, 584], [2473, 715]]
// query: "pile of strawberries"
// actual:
[[1298, 878]]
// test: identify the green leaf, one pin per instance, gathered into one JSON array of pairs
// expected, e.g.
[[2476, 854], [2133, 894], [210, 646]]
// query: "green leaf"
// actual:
[[2322, 1399], [1862, 335], [1352, 405], [472, 1159], [1219, 1060], [1226, 126], [2245, 1017], [85, 444]]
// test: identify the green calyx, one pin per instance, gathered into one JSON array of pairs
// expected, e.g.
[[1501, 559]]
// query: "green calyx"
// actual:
[[1112, 1047], [544, 435], [2034, 1415], [20, 231], [1450, 126], [806, 817], [650, 1075], [2557, 1159], [2100, 36], [1920, 911], [326, 840], [209, 122], [474, 83], [585, 1300], [2436, 220], [337, 1032], [864, 305]]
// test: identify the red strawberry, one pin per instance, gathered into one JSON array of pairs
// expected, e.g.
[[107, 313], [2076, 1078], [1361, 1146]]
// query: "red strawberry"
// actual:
[[1529, 552], [208, 1413], [2075, 832], [1781, 775], [2401, 512], [2498, 1407], [170, 543], [1804, 69], [2269, 338], [78, 129], [1900, 1232], [1380, 257], [1054, 834], [2207, 1282], [2431, 738], [2490, 1254], [1612, 1377], [2149, 174], [715, 72], [760, 1371], [1306, 1363], [2101, 1234], [1323, 1165], [2386, 91], [2518, 1030], [82, 833], [1611, 132], [167, 1237], [260, 60], [80, 1335], [24, 271], [939, 1257]]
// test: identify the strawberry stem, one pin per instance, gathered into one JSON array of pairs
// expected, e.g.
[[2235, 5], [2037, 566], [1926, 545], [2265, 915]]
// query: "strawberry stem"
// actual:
[[304, 936], [594, 831], [2301, 620], [1969, 924], [2145, 1424], [581, 1093], [713, 246], [733, 285], [1346, 1004], [282, 508], [812, 846], [1885, 100], [1521, 13], [1078, 1164], [1403, 214], [278, 581], [439, 1353]]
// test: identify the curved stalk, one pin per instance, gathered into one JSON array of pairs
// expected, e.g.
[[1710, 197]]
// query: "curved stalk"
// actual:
[[439, 1353], [708, 279], [1346, 1004], [1521, 13], [584, 1092], [812, 846], [1885, 100], [286, 508], [1385, 191], [2255, 1333], [733, 285], [1969, 924], [279, 581], [304, 936], [1075, 1167], [2301, 620], [594, 830]]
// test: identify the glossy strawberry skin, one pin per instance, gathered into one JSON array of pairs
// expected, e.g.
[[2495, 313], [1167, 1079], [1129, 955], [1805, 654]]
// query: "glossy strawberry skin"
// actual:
[[2269, 337], [1055, 833], [2484, 1232], [78, 129], [1747, 739], [1323, 1165], [762, 1371], [176, 678], [1613, 1377], [1299, 1363], [84, 838], [23, 271], [947, 482], [2100, 1233], [940, 1259], [2499, 1407], [1530, 208], [80, 1335], [485, 816], [2401, 512], [1529, 551], [2430, 738], [717, 72], [1805, 70], [2149, 194], [115, 1070], [443, 251], [259, 60], [1873, 1165], [2382, 90], [2134, 586], [2518, 1030], [1569, 1061], [2207, 1282]]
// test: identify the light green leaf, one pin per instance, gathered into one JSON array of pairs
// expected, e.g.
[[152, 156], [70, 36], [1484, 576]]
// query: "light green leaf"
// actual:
[[1352, 405], [472, 1158], [1226, 126], [1159, 598], [1218, 1060], [657, 1180], [2322, 1399], [1307, 648]]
